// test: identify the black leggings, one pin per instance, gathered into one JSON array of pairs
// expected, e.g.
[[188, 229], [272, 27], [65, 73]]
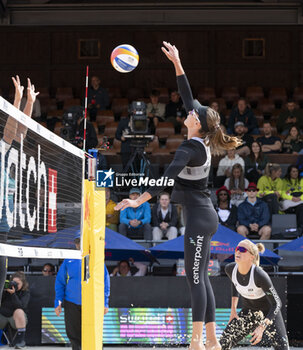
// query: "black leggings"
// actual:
[[201, 224], [274, 335]]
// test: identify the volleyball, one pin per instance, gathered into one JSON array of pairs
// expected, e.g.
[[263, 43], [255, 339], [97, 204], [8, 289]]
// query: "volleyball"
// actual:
[[124, 58]]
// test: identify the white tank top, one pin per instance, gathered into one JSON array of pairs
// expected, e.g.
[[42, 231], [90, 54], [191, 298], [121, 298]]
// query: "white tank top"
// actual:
[[198, 172], [251, 291]]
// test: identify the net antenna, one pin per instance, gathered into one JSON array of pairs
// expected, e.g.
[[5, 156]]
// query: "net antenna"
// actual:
[[40, 190], [85, 113]]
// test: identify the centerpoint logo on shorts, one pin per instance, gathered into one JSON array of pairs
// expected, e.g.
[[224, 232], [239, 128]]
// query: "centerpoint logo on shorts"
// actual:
[[198, 257], [108, 178]]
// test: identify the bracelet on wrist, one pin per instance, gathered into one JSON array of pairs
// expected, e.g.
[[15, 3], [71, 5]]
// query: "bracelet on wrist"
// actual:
[[264, 324]]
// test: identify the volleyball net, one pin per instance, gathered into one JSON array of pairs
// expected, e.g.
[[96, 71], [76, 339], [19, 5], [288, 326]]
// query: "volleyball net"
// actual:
[[40, 189]]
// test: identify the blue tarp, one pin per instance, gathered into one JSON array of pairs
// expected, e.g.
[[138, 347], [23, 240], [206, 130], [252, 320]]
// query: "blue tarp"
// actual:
[[295, 245], [224, 241], [117, 246]]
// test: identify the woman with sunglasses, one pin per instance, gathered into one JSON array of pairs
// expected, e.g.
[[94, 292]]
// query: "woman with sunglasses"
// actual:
[[190, 168], [261, 306]]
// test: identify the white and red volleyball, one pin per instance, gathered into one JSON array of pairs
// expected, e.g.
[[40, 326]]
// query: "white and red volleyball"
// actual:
[[124, 58]]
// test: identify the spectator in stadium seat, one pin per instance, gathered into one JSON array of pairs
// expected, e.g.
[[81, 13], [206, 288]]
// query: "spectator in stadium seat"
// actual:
[[12, 132], [175, 112], [236, 184], [255, 162], [291, 116], [135, 222], [164, 218], [48, 269], [13, 308], [97, 98], [270, 185], [292, 194], [293, 142], [270, 143], [124, 269], [68, 291], [225, 166], [91, 136], [122, 130], [112, 216], [155, 110], [253, 215], [215, 106], [227, 212], [247, 140], [243, 113]]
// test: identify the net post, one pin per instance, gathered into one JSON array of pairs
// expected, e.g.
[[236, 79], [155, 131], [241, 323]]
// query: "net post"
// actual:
[[93, 242]]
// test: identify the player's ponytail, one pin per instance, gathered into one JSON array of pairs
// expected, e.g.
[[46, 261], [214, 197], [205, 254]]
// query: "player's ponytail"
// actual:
[[218, 141], [254, 249]]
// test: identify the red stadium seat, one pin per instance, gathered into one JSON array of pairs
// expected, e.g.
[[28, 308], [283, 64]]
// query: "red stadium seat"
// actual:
[[133, 94], [110, 129], [253, 95], [120, 105], [278, 95], [206, 94], [266, 106], [104, 117], [63, 93], [173, 142], [230, 95], [165, 129]]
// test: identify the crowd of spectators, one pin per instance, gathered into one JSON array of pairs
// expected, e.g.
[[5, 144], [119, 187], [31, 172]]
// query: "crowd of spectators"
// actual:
[[249, 163]]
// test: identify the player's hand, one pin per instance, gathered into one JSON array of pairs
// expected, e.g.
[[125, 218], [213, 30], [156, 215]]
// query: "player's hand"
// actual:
[[171, 52], [257, 335], [31, 94], [127, 203], [58, 310], [105, 310], [18, 88], [233, 314]]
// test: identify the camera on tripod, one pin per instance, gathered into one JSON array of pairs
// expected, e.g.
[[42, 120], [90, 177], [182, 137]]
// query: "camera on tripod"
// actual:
[[69, 121], [138, 118]]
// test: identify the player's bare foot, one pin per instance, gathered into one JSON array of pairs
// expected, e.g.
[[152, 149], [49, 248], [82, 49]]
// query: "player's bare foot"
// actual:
[[212, 345]]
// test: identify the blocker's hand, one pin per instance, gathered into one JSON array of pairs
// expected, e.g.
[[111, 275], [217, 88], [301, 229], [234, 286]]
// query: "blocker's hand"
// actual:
[[18, 88], [257, 335], [31, 93], [171, 52], [126, 203]]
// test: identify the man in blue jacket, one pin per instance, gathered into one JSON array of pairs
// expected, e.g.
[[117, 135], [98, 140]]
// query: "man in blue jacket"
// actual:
[[135, 222], [253, 215], [68, 290]]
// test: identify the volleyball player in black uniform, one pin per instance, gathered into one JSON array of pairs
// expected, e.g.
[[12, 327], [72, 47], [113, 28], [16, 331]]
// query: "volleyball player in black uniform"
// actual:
[[261, 312], [190, 168], [12, 132]]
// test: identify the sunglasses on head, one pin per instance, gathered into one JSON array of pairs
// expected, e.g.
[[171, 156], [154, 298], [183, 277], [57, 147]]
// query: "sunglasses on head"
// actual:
[[241, 249]]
